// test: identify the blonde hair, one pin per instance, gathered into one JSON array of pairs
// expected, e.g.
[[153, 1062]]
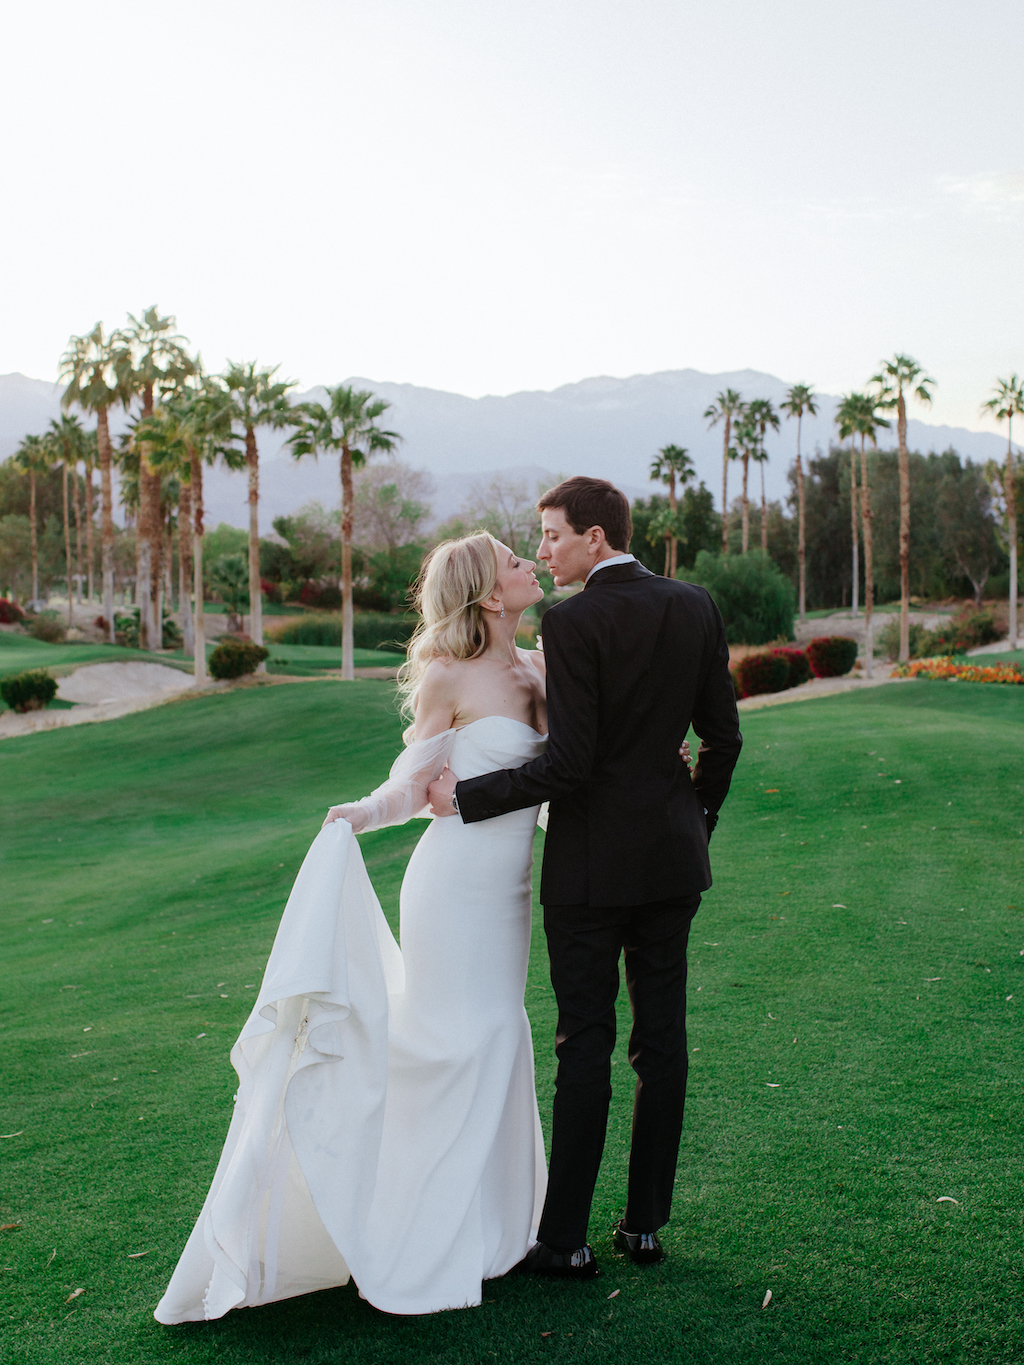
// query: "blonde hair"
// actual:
[[456, 578]]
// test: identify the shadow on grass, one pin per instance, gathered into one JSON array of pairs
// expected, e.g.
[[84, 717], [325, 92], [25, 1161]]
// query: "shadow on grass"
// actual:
[[682, 1311]]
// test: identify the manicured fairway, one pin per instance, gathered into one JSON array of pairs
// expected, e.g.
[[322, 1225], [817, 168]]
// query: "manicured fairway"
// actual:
[[856, 999], [20, 652]]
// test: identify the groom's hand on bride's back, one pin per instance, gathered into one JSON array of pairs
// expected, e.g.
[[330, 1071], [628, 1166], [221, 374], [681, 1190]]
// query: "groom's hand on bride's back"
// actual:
[[441, 791]]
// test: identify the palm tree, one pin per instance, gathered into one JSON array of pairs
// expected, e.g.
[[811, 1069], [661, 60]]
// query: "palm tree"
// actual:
[[671, 463], [745, 433], [847, 417], [150, 361], [168, 455], [33, 456], [897, 378], [727, 407], [94, 386], [863, 421], [65, 441], [763, 415], [1005, 404], [798, 400], [255, 399], [347, 425]]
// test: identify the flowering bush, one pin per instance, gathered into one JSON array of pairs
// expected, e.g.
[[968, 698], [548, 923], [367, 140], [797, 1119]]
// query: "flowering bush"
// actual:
[[830, 656], [947, 669], [757, 674], [799, 665], [10, 612]]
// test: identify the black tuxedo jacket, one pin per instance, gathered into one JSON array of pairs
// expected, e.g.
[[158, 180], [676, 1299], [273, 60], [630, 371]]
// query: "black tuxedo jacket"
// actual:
[[632, 662]]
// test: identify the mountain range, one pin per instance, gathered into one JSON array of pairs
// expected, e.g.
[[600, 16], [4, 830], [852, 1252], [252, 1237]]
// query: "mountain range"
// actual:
[[607, 427]]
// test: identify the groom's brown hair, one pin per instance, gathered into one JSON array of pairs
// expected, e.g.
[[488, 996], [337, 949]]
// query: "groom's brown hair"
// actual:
[[592, 502]]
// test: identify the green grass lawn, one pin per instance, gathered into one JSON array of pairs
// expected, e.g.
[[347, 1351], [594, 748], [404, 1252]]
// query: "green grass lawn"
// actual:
[[856, 990], [308, 660]]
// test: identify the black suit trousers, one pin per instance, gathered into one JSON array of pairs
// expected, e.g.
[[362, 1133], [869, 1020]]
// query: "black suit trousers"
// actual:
[[584, 945]]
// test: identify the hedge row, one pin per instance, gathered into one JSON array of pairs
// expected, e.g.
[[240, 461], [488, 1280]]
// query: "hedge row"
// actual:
[[776, 670], [370, 630]]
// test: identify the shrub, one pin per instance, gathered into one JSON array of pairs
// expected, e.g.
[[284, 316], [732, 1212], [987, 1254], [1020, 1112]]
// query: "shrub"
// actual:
[[370, 630], [320, 596], [967, 629], [48, 628], [101, 623], [830, 656], [756, 600], [759, 673], [10, 612], [799, 666], [233, 658], [29, 691]]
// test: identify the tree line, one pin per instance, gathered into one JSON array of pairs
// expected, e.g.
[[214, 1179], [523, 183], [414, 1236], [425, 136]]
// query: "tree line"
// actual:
[[938, 518]]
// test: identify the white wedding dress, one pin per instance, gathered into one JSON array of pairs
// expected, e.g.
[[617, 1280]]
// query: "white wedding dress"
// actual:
[[386, 1124]]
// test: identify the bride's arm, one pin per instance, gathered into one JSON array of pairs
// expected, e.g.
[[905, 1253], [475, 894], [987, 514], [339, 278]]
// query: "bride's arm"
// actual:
[[404, 794]]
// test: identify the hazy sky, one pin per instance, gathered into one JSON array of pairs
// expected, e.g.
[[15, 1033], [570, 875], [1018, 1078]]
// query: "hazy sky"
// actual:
[[490, 195]]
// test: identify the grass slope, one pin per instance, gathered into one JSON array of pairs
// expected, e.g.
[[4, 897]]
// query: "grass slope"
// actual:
[[857, 978], [21, 652]]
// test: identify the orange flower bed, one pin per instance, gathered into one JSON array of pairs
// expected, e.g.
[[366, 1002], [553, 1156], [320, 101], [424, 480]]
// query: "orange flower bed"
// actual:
[[950, 670]]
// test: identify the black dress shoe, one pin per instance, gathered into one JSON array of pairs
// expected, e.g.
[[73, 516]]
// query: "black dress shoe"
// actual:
[[560, 1265], [642, 1248]]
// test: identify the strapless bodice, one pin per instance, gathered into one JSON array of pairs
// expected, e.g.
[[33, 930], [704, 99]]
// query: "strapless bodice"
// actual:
[[494, 742]]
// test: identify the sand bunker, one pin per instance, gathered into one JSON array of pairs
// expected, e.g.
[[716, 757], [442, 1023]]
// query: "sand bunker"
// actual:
[[96, 684], [103, 692]]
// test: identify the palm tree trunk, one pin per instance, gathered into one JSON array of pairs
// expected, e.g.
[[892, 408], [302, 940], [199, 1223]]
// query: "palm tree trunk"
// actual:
[[1011, 518], [67, 546], [904, 464], [853, 526], [746, 504], [764, 516], [106, 520], [185, 564], [144, 537], [725, 488], [673, 502], [199, 671], [869, 585], [34, 535], [668, 557], [347, 501], [90, 547], [252, 461], [77, 500], [801, 536]]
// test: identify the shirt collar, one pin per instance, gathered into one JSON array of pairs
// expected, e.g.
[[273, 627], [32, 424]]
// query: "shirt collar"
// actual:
[[607, 564]]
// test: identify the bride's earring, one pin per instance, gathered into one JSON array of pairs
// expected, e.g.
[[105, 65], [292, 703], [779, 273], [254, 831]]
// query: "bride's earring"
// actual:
[[502, 613]]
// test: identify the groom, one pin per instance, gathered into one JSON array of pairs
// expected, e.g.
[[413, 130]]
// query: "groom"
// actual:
[[632, 662]]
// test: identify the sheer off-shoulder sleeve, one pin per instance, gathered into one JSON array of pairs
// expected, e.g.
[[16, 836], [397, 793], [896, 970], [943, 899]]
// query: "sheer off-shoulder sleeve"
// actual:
[[404, 794]]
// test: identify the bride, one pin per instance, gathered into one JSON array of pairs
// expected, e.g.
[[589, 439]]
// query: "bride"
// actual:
[[385, 1125]]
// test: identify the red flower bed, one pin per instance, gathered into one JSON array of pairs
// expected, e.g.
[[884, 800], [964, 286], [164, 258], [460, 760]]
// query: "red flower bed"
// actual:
[[10, 612]]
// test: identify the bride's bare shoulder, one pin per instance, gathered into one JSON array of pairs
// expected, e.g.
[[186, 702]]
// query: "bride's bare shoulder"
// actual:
[[535, 657]]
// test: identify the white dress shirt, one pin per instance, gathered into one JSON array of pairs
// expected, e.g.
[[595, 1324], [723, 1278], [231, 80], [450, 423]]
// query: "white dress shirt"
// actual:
[[607, 564]]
